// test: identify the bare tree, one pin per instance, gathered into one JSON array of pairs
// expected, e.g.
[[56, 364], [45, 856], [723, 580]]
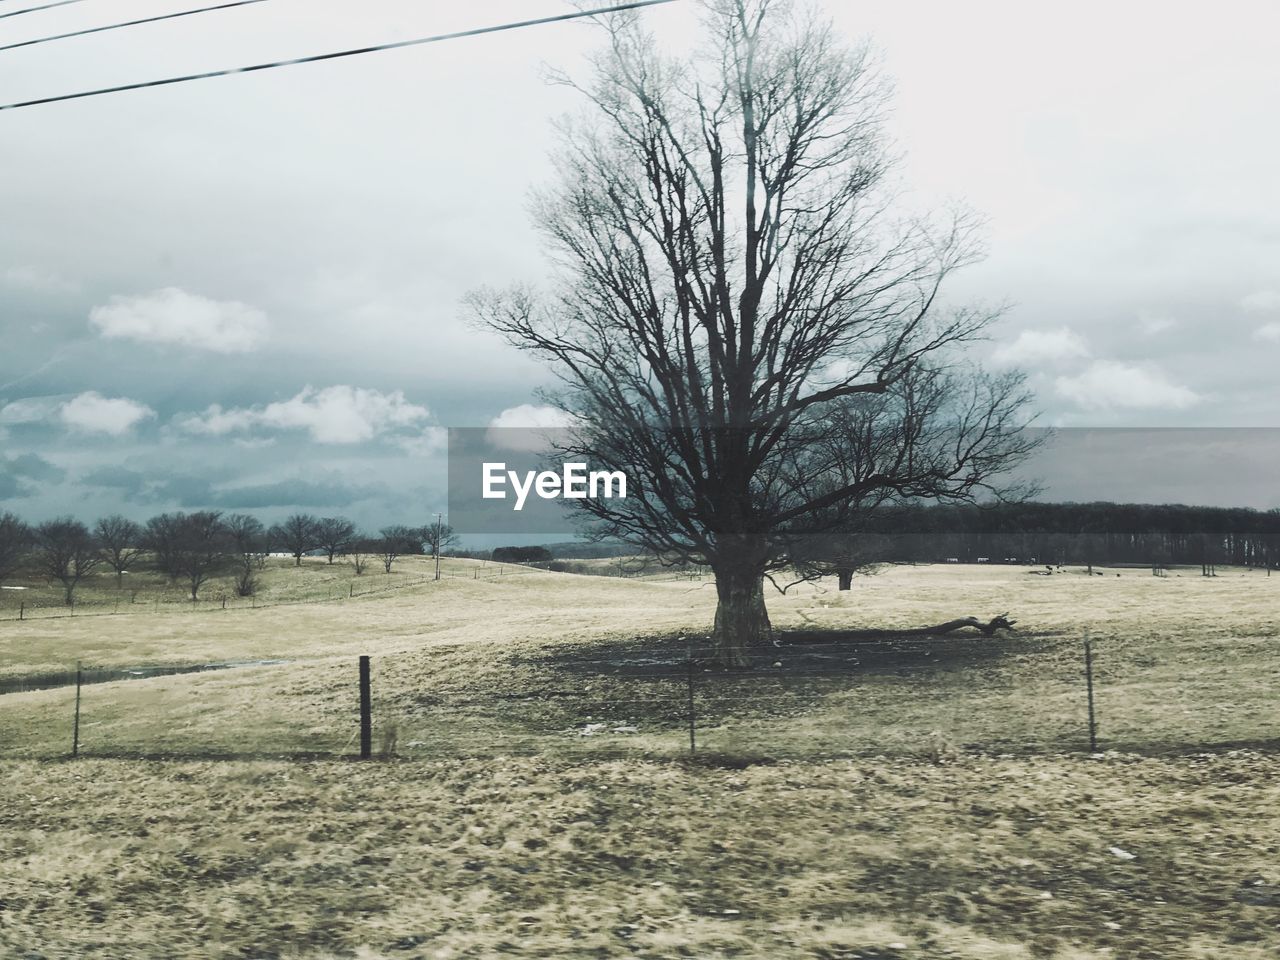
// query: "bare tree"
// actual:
[[122, 543], [731, 276], [396, 541], [15, 541], [333, 534], [247, 538], [66, 551], [201, 548], [297, 534], [358, 551], [438, 535], [160, 537]]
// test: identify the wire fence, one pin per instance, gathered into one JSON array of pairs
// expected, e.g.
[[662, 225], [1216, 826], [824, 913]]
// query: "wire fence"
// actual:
[[937, 697]]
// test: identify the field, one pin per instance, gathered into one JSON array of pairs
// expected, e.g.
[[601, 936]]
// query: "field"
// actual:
[[885, 797]]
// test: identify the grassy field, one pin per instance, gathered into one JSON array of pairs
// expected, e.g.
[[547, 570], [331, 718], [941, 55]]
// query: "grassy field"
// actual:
[[888, 797]]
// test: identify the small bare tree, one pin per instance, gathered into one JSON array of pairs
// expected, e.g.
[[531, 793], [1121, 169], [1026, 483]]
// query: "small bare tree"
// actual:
[[67, 552], [358, 551], [122, 543], [396, 541], [438, 535], [248, 541]]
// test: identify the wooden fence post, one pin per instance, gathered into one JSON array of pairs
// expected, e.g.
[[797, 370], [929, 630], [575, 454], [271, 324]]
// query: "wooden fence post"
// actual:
[[366, 711], [693, 720]]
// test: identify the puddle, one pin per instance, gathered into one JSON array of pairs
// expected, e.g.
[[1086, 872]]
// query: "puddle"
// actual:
[[67, 678]]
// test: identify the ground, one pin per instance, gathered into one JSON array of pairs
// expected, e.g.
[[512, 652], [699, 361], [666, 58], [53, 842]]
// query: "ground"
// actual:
[[890, 797]]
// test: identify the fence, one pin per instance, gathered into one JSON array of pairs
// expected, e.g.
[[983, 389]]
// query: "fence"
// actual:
[[882, 695]]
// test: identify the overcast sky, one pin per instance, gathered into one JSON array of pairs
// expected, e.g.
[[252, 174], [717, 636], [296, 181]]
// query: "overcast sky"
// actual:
[[244, 293]]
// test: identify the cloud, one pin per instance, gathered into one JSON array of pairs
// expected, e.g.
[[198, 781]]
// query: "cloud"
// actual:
[[35, 467], [21, 476], [1269, 332], [1039, 347], [529, 415], [35, 280], [338, 415], [1109, 384], [94, 413], [1154, 325], [527, 428], [29, 410], [173, 316], [1262, 301]]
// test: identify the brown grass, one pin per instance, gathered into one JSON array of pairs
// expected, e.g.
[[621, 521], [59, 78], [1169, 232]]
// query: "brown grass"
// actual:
[[928, 796]]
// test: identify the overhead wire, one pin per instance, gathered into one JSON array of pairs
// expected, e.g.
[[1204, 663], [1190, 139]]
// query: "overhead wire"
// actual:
[[335, 55], [127, 23]]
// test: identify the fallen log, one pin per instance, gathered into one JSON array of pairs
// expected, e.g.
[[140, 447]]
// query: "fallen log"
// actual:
[[987, 629], [1001, 622]]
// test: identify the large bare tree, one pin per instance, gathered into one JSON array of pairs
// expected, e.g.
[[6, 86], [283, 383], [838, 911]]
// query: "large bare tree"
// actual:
[[66, 551], [733, 283], [298, 534], [333, 534]]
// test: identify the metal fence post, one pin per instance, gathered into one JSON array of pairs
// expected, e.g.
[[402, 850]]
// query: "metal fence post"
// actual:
[[366, 711], [75, 725]]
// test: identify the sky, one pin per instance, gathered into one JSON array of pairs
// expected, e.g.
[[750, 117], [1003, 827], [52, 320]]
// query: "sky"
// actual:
[[245, 293]]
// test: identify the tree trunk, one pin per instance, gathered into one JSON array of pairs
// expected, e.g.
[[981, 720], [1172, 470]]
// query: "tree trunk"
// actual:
[[742, 622], [846, 579]]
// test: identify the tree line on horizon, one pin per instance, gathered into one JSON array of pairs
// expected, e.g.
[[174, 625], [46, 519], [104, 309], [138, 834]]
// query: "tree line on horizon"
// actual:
[[1084, 534], [192, 548]]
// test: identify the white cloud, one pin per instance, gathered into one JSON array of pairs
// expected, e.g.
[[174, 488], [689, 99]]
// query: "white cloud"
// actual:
[[1262, 301], [529, 415], [94, 413], [174, 316], [338, 414], [1269, 332], [1109, 384], [1038, 347]]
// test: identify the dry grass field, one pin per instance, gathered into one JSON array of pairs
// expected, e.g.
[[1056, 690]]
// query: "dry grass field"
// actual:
[[885, 797]]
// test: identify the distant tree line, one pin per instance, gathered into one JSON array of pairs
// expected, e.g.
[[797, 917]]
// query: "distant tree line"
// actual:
[[1157, 535], [192, 548]]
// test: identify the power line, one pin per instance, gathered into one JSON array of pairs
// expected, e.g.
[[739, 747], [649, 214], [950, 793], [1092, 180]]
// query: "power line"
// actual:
[[127, 23], [316, 58], [46, 6]]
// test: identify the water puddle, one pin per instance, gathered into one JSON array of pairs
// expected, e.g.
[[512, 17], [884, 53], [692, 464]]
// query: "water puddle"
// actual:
[[67, 678]]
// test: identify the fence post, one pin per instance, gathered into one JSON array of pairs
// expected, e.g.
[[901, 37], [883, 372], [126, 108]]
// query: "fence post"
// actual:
[[1088, 677], [75, 725], [366, 712], [22, 610], [693, 721]]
